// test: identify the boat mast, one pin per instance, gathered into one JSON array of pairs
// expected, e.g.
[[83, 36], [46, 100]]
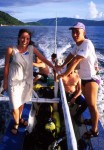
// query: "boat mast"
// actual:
[[55, 76], [55, 35]]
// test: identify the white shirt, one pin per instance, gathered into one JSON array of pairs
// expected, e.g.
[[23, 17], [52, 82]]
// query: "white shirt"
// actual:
[[87, 65]]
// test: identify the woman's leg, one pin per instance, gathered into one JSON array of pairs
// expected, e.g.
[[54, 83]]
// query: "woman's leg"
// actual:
[[21, 120], [20, 111], [90, 91], [15, 114]]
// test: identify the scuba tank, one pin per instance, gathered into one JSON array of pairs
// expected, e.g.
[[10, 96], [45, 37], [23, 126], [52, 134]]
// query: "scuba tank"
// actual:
[[50, 126], [56, 117]]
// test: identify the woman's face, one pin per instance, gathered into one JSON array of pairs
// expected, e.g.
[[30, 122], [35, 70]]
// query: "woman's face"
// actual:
[[78, 35], [24, 39]]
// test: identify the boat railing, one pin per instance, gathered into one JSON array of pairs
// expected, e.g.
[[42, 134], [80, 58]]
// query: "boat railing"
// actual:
[[71, 139]]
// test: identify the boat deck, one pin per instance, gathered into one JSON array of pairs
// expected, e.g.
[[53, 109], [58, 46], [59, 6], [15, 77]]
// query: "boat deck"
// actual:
[[9, 139], [96, 143], [12, 142]]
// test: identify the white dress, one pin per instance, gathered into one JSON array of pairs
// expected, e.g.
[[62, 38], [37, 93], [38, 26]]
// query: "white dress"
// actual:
[[20, 79]]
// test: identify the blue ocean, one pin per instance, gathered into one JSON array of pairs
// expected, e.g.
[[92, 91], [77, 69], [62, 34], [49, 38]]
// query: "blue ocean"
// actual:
[[44, 38]]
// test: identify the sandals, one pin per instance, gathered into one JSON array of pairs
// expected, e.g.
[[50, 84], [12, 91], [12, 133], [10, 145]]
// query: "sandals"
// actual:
[[90, 134], [87, 122], [23, 122], [14, 129]]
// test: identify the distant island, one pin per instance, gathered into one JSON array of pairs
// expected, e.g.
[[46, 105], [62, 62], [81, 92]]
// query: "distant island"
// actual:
[[6, 19], [69, 22]]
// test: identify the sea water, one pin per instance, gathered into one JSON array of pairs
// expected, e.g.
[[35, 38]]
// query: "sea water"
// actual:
[[44, 38]]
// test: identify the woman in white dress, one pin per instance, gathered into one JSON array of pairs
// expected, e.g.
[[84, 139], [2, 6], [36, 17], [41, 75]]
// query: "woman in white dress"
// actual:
[[18, 75]]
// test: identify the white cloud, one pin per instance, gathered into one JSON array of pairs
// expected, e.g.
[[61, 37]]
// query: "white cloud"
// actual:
[[77, 16], [101, 15], [94, 12]]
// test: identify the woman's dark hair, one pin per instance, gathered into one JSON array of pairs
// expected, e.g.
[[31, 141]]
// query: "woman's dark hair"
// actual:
[[21, 31]]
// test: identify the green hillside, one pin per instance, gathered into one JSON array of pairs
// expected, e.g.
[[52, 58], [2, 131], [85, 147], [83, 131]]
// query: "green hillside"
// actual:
[[6, 19]]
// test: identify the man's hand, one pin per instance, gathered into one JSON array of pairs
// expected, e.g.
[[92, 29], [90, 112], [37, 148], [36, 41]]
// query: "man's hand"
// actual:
[[59, 68], [72, 100], [60, 76]]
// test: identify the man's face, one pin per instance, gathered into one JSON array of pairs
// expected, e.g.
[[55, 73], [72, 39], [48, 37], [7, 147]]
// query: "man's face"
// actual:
[[78, 35], [53, 59]]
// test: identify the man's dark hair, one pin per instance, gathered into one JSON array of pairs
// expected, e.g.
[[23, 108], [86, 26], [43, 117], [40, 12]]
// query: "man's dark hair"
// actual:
[[54, 55]]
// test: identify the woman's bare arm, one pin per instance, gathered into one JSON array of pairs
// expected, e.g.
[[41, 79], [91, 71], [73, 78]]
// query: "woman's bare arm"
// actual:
[[6, 68], [72, 66], [69, 58]]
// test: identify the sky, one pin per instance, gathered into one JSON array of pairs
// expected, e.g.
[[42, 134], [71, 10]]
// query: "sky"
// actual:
[[34, 10]]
